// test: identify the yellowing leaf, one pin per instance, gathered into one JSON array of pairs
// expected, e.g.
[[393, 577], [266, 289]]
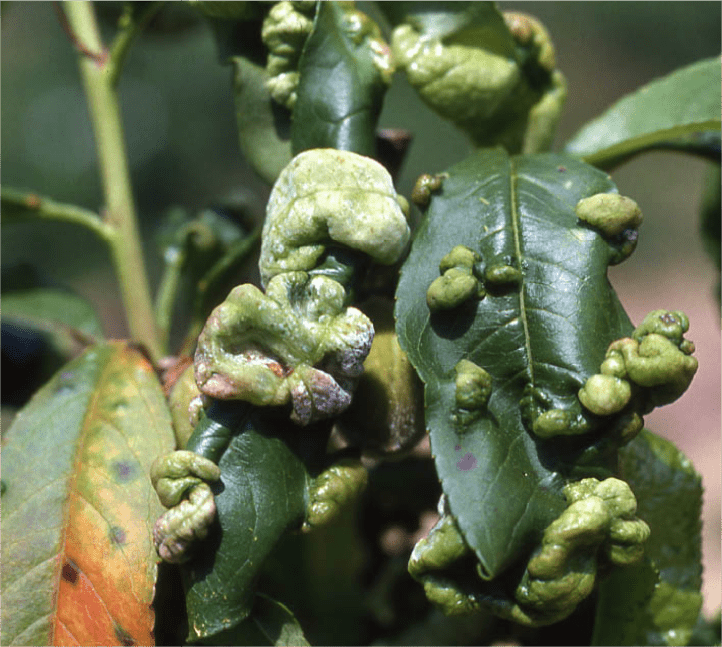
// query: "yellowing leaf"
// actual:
[[78, 562]]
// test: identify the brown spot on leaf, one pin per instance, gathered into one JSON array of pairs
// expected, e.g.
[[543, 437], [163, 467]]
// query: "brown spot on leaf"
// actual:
[[124, 470], [124, 638], [70, 572], [117, 535]]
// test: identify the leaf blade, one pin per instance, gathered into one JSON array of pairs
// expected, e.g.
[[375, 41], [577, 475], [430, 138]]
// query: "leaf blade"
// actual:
[[669, 494], [261, 494], [340, 89], [653, 115], [515, 211], [61, 313], [90, 505]]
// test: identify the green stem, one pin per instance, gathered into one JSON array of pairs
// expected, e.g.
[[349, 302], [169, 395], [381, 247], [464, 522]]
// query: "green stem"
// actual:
[[107, 126], [129, 26], [15, 202], [167, 290]]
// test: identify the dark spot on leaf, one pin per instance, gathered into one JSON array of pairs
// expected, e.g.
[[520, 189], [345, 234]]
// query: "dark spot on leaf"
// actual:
[[70, 572], [124, 470], [117, 535], [467, 462], [3, 487], [561, 169], [124, 638], [457, 448]]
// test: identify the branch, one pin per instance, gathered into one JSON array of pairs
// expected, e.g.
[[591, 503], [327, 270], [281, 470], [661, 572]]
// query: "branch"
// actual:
[[104, 111], [17, 203]]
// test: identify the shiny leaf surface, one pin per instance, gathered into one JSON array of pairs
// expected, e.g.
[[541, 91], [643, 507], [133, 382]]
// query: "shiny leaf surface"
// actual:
[[261, 494], [78, 506], [652, 115], [340, 90], [544, 325]]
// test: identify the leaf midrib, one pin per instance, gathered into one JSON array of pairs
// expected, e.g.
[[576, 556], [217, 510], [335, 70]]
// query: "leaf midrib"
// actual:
[[516, 229]]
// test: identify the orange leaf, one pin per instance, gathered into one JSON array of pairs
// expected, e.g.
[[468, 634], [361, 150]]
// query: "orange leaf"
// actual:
[[78, 563]]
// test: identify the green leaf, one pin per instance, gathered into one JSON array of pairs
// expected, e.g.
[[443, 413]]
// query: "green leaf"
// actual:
[[675, 106], [669, 496], [261, 494], [263, 125], [542, 329], [68, 319], [270, 623], [340, 90], [78, 505]]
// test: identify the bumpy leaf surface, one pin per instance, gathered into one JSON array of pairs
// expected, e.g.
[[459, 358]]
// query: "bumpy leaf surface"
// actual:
[[78, 507], [547, 330], [669, 493], [654, 115]]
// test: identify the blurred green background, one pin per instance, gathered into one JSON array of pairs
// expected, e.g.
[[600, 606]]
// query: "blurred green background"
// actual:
[[182, 145]]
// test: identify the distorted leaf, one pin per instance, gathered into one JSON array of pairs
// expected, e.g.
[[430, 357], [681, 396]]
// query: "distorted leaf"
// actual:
[[260, 495], [342, 83], [669, 495], [684, 102], [491, 74], [538, 328], [78, 560]]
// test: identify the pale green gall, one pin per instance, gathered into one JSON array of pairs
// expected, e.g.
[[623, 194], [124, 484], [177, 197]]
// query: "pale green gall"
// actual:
[[330, 197]]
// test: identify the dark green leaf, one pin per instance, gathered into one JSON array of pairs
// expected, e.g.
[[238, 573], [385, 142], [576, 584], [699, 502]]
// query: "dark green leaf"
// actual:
[[270, 623], [669, 495], [263, 125], [78, 505], [340, 91], [621, 605], [277, 622], [546, 329], [261, 495], [684, 102]]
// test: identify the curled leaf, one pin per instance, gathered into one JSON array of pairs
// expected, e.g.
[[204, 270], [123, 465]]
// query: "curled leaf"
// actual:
[[284, 32], [185, 524], [328, 197], [598, 524], [296, 344], [656, 359], [467, 67]]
